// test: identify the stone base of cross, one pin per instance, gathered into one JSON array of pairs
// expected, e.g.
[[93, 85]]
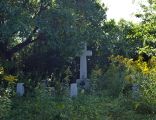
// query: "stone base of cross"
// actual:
[[83, 81]]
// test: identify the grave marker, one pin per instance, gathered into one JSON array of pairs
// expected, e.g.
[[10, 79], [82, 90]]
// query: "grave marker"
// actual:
[[73, 89], [20, 89], [83, 81]]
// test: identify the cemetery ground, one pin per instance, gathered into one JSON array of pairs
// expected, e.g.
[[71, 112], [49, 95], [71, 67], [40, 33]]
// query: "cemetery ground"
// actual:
[[111, 96], [84, 107], [107, 99]]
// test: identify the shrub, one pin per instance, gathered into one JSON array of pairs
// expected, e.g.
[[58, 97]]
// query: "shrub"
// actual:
[[6, 85], [46, 107], [5, 107], [143, 74], [84, 107], [111, 81]]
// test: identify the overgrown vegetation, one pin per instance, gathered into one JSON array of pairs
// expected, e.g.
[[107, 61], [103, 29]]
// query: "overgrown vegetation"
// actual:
[[42, 39], [86, 107]]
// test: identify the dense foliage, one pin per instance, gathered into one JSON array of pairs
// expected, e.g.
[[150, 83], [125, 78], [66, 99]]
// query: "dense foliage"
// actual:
[[42, 39], [85, 107]]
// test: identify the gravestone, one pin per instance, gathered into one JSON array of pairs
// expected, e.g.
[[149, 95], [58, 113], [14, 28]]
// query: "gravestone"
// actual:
[[83, 81], [20, 89], [73, 89], [135, 91]]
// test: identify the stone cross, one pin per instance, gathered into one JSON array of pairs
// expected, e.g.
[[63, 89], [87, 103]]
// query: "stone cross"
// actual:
[[83, 81], [83, 72], [83, 62]]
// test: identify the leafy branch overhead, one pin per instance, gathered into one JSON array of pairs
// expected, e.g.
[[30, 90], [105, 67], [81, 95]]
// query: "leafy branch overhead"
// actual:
[[55, 23]]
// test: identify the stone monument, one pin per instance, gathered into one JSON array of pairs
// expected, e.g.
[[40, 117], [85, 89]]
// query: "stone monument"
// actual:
[[20, 89], [135, 91], [73, 89], [83, 81]]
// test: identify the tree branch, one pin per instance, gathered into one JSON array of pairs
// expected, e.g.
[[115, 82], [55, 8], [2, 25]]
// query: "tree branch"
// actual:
[[23, 44], [29, 40]]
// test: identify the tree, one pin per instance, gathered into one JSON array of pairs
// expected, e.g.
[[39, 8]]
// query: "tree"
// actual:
[[27, 26], [147, 28]]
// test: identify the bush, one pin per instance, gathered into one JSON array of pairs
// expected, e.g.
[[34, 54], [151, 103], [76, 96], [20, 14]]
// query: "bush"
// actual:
[[46, 107], [5, 107], [111, 81], [84, 107], [143, 74]]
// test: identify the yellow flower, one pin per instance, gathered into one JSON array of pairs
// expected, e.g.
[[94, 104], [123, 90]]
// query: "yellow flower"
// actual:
[[145, 70], [10, 78], [1, 70]]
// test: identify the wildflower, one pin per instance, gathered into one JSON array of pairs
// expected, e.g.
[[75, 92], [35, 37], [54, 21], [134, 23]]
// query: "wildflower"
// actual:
[[10, 78], [145, 70], [1, 70]]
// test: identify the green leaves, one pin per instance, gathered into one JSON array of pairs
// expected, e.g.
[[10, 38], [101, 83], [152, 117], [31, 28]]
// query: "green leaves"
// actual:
[[147, 28], [5, 107]]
